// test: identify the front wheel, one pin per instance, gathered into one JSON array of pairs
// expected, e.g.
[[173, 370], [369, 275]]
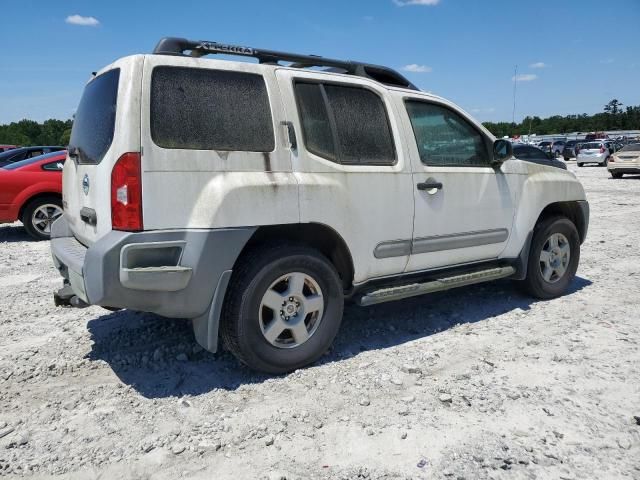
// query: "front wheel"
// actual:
[[553, 258], [39, 214], [616, 174], [580, 164], [283, 308]]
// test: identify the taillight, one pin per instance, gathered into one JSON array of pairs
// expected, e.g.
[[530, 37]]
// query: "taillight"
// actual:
[[126, 193], [601, 149]]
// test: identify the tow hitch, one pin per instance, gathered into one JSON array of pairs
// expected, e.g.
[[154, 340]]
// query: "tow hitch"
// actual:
[[66, 298]]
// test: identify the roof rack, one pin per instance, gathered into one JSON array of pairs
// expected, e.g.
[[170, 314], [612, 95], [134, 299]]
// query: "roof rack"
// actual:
[[198, 48]]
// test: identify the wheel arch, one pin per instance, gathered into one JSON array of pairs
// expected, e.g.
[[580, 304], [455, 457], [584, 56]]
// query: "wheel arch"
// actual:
[[576, 211], [316, 235], [36, 196]]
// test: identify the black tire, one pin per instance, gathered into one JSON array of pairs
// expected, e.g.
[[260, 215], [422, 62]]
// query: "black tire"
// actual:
[[580, 164], [534, 283], [616, 174], [257, 270], [30, 208], [606, 162]]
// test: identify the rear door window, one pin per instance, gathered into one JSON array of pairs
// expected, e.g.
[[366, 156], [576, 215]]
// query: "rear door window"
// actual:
[[203, 109], [345, 124], [94, 122]]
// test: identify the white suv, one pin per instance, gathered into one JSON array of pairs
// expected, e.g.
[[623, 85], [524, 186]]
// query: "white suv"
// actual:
[[255, 198]]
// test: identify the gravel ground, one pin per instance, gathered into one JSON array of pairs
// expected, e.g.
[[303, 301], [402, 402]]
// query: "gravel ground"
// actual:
[[480, 382]]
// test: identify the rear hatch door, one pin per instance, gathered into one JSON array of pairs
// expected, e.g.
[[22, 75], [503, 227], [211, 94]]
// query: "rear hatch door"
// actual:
[[106, 125]]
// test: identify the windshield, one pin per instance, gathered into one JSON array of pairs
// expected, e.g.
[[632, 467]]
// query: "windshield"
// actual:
[[31, 161], [95, 118], [632, 147], [544, 144]]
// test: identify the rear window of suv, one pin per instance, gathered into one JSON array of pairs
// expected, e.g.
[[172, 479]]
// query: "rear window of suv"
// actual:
[[591, 146], [203, 109], [95, 119]]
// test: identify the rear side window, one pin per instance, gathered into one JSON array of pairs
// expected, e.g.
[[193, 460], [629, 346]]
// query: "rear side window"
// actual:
[[201, 109], [348, 125], [94, 122], [54, 166]]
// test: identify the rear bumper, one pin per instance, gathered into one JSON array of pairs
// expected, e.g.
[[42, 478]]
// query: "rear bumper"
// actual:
[[173, 273], [621, 167], [592, 158]]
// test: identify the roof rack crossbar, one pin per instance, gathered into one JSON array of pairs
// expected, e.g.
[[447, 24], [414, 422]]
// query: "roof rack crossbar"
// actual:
[[198, 48]]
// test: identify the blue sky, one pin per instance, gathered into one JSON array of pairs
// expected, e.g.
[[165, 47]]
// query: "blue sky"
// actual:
[[573, 55]]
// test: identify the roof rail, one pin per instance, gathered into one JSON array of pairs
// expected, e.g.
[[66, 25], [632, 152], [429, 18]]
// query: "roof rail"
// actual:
[[198, 48]]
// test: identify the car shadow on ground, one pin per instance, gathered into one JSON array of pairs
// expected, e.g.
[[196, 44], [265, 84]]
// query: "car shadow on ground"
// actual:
[[159, 357], [14, 233]]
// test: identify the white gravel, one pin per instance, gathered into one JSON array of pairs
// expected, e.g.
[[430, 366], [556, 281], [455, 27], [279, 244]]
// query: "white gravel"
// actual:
[[480, 382]]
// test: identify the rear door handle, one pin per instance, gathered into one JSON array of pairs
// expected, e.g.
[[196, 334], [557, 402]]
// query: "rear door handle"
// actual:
[[430, 185]]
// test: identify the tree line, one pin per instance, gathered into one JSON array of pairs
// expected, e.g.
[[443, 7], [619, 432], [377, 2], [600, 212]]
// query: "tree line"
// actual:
[[613, 117], [29, 132]]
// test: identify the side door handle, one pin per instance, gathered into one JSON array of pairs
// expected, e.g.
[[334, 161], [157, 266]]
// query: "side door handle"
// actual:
[[430, 185]]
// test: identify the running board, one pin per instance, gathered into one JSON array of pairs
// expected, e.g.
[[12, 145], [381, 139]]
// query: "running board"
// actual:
[[415, 289]]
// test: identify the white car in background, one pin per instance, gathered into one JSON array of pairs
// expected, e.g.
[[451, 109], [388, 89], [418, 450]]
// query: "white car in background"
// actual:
[[594, 152], [625, 160]]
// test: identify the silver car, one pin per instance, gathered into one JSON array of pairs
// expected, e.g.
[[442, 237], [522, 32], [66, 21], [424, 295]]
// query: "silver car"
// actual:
[[594, 152]]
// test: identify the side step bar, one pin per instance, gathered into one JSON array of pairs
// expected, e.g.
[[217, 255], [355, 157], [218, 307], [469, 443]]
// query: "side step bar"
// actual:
[[415, 289]]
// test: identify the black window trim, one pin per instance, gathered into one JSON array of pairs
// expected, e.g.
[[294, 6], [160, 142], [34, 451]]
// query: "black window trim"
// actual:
[[487, 141], [332, 121], [270, 100]]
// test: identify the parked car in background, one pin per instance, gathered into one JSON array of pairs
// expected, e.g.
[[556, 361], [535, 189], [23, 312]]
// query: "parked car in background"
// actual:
[[594, 152], [596, 136], [31, 191], [23, 153], [570, 148], [625, 160], [553, 147], [6, 148], [535, 155]]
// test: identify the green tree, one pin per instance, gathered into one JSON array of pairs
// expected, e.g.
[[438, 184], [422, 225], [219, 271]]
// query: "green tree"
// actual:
[[613, 107], [65, 137]]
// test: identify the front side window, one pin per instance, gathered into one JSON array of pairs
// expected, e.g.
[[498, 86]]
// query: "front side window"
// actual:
[[444, 138], [202, 109], [345, 124]]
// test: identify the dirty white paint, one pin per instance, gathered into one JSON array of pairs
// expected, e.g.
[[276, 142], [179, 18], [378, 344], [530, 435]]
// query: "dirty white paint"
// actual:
[[365, 205]]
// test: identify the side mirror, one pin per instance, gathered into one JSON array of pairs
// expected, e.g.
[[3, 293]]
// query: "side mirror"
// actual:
[[502, 150]]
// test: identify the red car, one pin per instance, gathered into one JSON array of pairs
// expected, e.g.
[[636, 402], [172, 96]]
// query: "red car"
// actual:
[[31, 191]]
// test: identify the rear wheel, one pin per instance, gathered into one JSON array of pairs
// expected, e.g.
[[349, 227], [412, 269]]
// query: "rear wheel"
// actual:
[[606, 162], [39, 215], [553, 258], [616, 174], [580, 164], [283, 308]]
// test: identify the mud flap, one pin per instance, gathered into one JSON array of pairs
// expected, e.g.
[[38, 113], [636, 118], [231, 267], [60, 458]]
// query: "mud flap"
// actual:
[[205, 327]]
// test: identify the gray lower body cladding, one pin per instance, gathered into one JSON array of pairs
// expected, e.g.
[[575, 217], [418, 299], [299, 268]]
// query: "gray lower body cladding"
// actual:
[[172, 273]]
